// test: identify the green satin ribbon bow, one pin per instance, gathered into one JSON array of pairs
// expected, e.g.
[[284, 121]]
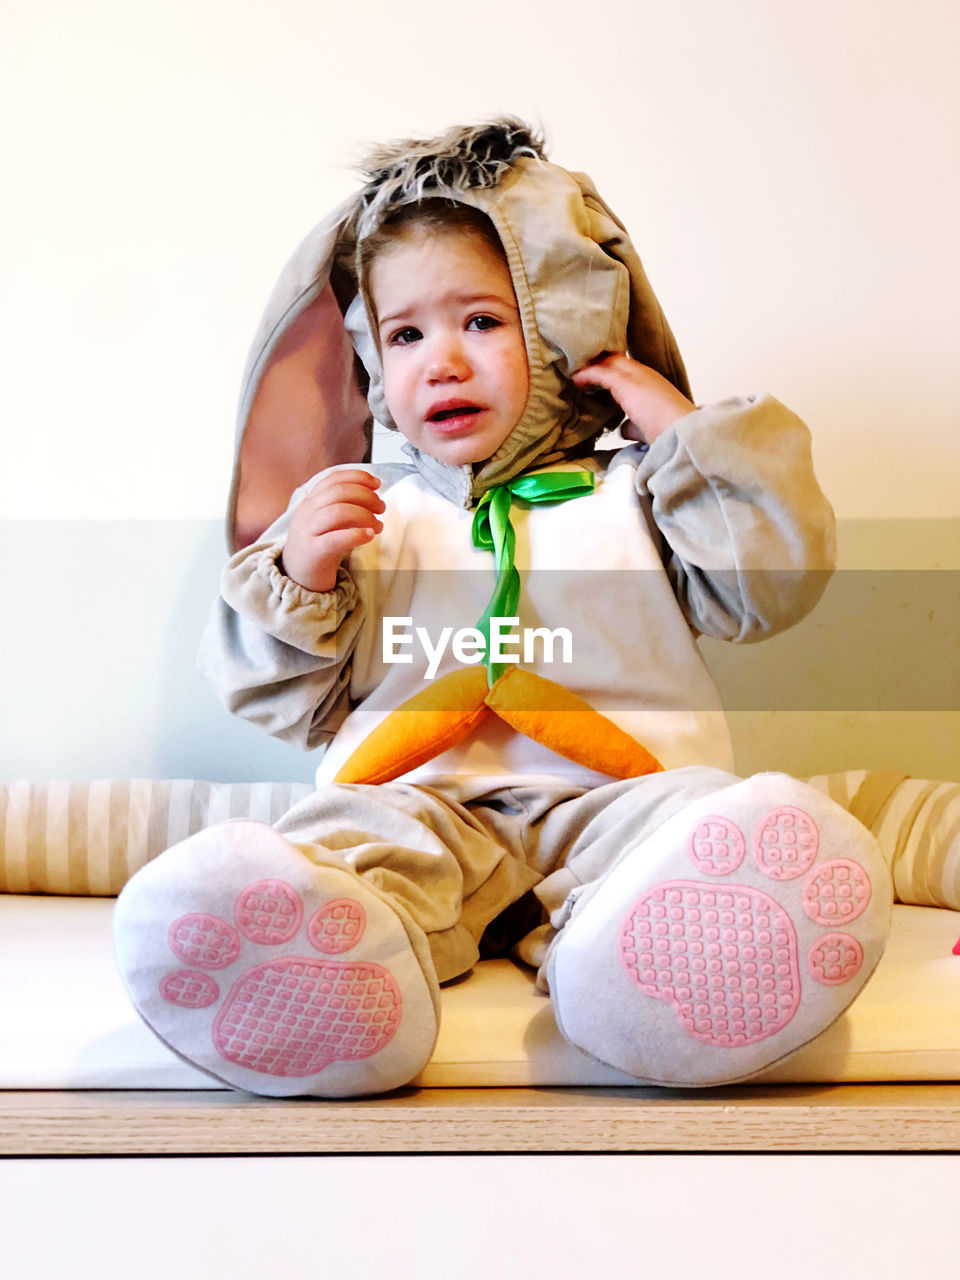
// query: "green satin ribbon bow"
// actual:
[[492, 531]]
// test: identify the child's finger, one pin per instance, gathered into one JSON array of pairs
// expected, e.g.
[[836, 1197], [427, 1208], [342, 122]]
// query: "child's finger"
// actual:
[[354, 474], [344, 515], [359, 495], [591, 376], [342, 541], [337, 479], [595, 375], [607, 370], [346, 492], [333, 480]]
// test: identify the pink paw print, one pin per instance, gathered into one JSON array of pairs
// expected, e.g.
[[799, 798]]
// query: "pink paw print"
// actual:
[[287, 1014], [726, 956]]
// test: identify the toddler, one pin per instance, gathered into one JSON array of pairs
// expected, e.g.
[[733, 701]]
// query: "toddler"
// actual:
[[496, 640]]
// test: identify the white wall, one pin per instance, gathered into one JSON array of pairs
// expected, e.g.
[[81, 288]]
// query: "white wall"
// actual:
[[787, 170]]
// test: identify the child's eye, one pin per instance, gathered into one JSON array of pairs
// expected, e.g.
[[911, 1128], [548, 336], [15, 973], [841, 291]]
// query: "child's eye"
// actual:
[[403, 337], [483, 322]]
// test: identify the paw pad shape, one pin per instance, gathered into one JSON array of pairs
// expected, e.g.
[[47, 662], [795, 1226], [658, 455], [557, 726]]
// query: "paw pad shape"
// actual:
[[725, 959], [837, 893], [290, 1014], [786, 843], [268, 912], [835, 958], [717, 846], [726, 956]]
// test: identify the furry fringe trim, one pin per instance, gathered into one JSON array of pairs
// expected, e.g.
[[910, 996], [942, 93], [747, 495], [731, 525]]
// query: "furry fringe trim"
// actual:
[[408, 170]]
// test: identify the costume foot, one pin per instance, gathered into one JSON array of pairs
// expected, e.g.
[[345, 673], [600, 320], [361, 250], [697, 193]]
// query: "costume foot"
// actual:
[[271, 973], [725, 942]]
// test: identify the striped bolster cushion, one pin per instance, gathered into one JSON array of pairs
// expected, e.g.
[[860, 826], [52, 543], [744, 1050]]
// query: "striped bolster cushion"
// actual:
[[88, 838], [915, 822]]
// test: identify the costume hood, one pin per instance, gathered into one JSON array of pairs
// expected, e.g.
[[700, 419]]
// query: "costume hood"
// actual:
[[313, 383]]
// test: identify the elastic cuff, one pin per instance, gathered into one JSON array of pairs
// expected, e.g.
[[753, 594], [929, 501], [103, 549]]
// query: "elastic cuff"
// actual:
[[335, 603]]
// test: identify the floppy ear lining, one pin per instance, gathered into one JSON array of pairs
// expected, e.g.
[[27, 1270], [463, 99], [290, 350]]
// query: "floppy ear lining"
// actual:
[[308, 413]]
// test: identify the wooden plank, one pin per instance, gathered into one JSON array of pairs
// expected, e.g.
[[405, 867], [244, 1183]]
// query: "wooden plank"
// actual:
[[818, 1118]]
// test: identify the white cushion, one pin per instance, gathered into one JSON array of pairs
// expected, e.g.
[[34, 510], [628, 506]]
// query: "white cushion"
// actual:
[[67, 1022]]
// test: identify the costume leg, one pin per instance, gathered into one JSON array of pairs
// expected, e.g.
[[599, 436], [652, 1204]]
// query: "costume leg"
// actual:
[[449, 866], [285, 965], [724, 941]]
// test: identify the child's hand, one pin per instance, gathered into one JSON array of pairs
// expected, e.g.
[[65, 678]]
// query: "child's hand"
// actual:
[[650, 402], [338, 514]]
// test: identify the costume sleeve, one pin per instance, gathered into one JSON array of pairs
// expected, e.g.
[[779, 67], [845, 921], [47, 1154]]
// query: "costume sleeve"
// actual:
[[278, 654], [749, 537]]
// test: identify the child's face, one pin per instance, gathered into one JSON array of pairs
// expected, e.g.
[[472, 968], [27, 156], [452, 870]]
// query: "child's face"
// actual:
[[455, 372]]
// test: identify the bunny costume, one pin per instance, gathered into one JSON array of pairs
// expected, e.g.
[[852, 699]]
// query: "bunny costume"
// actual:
[[690, 927]]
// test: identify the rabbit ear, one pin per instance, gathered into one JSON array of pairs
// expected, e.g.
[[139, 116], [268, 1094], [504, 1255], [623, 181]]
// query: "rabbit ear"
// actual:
[[303, 406], [649, 337], [308, 412]]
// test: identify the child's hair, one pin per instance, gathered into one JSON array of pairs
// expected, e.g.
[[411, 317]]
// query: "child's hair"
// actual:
[[436, 216]]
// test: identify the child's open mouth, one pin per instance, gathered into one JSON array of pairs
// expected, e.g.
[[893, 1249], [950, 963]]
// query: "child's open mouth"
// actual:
[[452, 413], [454, 416]]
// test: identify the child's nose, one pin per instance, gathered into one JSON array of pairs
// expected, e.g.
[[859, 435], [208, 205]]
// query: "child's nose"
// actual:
[[447, 361]]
